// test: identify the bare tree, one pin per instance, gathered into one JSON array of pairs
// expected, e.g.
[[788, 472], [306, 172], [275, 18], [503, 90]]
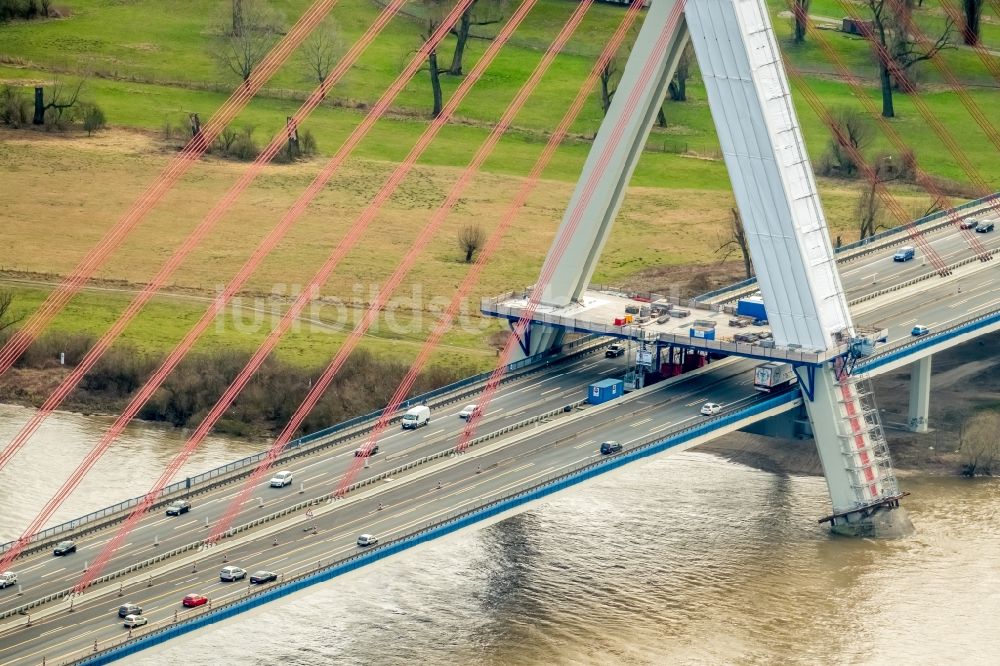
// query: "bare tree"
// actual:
[[470, 238], [800, 20], [609, 83], [737, 242], [868, 210], [895, 50], [853, 132], [61, 99], [13, 107], [972, 12], [93, 118], [677, 88], [435, 12], [479, 12], [979, 443], [252, 30], [462, 36], [321, 51], [7, 317]]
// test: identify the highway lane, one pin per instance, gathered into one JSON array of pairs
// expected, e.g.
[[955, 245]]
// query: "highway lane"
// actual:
[[410, 505], [466, 483], [868, 273], [41, 574], [936, 308]]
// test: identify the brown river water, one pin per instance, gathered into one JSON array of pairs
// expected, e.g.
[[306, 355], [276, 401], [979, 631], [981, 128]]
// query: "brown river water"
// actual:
[[688, 559]]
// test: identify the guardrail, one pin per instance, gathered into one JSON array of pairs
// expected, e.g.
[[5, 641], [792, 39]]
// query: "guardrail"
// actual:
[[55, 596], [224, 473], [156, 634], [487, 303], [907, 347], [845, 251]]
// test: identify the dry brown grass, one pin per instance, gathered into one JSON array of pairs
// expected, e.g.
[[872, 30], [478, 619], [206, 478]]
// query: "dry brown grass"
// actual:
[[62, 193]]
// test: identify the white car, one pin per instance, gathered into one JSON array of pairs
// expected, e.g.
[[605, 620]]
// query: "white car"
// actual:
[[7, 578], [367, 540], [468, 411], [710, 408], [232, 573], [281, 479], [135, 621]]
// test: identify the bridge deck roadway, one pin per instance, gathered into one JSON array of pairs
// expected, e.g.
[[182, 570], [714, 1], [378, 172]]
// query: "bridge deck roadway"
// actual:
[[862, 276], [411, 502]]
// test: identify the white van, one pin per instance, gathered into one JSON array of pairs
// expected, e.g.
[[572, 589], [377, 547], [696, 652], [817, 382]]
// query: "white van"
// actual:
[[416, 417]]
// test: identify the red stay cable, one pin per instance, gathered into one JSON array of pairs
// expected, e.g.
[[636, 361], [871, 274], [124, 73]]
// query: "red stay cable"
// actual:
[[322, 275], [190, 244], [178, 166]]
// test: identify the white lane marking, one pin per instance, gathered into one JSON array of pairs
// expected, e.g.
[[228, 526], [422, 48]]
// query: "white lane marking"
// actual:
[[639, 423], [694, 402], [51, 573], [558, 388], [659, 428], [583, 444]]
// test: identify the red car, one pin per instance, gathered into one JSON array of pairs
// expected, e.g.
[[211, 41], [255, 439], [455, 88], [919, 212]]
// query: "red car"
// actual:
[[193, 600]]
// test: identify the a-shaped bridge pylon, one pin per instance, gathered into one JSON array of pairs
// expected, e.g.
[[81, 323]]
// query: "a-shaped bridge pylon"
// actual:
[[783, 219]]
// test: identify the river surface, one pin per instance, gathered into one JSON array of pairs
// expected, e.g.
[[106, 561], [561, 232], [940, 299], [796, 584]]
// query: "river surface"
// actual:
[[683, 560], [129, 468]]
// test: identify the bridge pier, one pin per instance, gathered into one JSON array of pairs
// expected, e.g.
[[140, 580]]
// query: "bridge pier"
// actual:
[[856, 464], [920, 394]]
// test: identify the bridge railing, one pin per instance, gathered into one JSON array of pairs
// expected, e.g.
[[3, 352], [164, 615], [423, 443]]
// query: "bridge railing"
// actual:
[[185, 621], [333, 431], [943, 216], [905, 347]]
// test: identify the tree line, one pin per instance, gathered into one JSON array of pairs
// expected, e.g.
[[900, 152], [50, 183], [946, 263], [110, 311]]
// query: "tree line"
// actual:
[[364, 384]]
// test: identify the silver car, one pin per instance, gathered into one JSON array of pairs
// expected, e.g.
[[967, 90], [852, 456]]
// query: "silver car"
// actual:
[[232, 573]]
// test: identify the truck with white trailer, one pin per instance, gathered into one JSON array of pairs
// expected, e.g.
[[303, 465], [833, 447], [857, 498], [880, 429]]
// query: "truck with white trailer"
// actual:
[[769, 377]]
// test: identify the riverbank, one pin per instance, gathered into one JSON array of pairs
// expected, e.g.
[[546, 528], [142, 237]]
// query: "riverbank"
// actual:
[[964, 380]]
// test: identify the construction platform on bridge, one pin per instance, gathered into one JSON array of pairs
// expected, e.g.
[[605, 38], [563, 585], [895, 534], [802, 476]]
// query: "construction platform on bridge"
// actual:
[[606, 311]]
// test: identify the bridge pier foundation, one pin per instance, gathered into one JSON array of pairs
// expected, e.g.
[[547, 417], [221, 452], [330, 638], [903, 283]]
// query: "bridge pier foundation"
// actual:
[[920, 394], [849, 440]]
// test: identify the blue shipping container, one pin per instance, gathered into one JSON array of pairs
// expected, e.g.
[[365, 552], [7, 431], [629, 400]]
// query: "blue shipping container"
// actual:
[[752, 306], [604, 390], [702, 332]]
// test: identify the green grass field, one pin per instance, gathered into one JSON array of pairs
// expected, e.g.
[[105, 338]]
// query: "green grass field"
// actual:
[[148, 64]]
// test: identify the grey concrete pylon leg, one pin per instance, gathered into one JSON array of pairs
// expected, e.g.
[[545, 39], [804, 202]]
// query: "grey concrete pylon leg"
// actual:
[[920, 394], [613, 157]]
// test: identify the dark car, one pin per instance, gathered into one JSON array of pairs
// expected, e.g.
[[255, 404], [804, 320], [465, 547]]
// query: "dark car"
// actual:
[[178, 507], [361, 453], [258, 577], [968, 223], [607, 448], [64, 548], [614, 351], [984, 227], [129, 609]]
